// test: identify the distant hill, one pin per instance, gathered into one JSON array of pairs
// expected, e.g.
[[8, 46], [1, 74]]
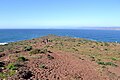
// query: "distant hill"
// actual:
[[101, 28]]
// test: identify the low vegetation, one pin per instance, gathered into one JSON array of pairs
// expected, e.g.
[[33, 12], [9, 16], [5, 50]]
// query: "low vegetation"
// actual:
[[42, 53], [114, 58], [27, 48], [10, 72], [4, 75], [11, 66], [38, 51], [42, 66], [1, 50], [50, 57], [22, 59], [107, 63]]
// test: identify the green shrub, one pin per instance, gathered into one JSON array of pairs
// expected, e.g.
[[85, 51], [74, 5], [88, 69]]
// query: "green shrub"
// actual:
[[17, 51], [21, 59], [110, 63], [75, 49], [27, 48], [50, 57], [50, 40], [3, 75], [6, 74], [107, 63], [92, 57], [42, 66], [106, 44], [101, 63], [37, 51], [1, 50], [11, 66], [106, 49], [11, 72], [49, 51], [99, 59], [43, 50], [113, 58]]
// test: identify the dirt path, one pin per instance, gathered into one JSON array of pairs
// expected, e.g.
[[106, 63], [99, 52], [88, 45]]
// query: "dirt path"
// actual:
[[64, 66]]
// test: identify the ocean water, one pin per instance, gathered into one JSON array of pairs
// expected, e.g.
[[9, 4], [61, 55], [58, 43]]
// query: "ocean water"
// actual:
[[12, 35]]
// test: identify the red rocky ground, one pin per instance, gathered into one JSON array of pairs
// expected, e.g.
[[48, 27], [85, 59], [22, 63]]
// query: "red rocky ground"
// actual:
[[56, 64]]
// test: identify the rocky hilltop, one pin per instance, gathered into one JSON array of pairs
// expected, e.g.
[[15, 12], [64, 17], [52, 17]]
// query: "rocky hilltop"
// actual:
[[59, 58]]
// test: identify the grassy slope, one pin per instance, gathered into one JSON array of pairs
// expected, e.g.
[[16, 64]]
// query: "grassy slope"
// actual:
[[105, 54]]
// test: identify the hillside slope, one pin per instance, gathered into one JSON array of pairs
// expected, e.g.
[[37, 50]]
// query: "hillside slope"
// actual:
[[60, 58]]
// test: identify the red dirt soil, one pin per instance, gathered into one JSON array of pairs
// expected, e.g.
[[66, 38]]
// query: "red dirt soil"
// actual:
[[62, 66], [65, 66]]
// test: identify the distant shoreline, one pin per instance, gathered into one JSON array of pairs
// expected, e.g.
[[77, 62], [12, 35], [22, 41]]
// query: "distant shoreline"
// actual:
[[76, 28]]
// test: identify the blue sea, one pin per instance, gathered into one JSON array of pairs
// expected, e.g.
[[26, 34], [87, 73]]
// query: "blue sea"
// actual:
[[13, 35]]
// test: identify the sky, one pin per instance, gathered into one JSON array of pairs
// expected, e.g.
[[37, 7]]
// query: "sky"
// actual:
[[59, 13]]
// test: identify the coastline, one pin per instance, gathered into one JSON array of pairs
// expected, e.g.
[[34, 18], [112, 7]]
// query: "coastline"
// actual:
[[3, 43]]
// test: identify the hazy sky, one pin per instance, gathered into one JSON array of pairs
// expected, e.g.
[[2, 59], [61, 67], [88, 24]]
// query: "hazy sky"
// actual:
[[59, 13]]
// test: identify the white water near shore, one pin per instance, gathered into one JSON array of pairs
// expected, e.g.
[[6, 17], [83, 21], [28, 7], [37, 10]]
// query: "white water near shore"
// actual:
[[3, 43]]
